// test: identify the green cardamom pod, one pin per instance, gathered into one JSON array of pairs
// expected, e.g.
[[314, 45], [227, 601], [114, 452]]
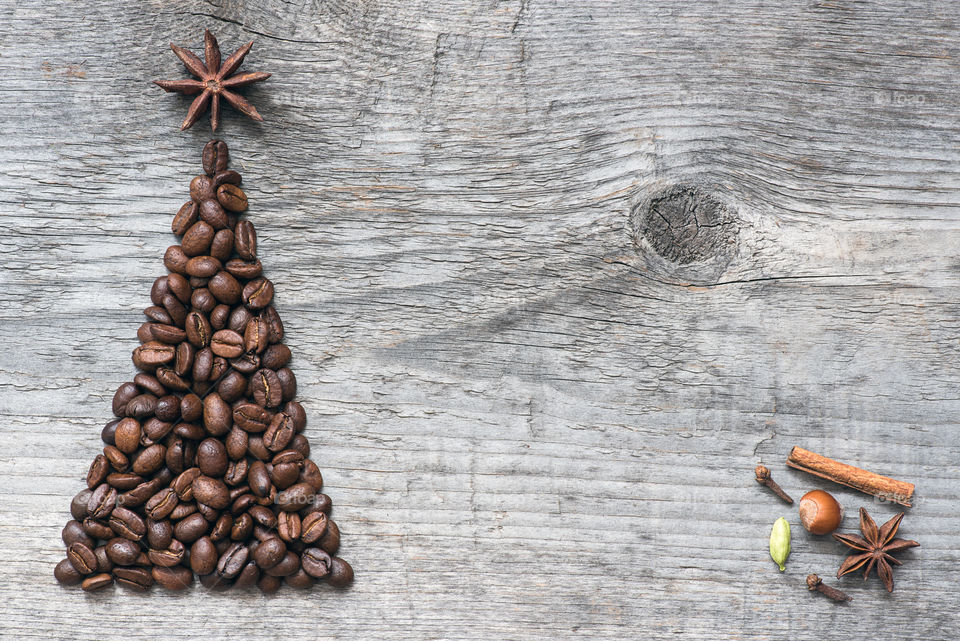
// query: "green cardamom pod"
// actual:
[[780, 542]]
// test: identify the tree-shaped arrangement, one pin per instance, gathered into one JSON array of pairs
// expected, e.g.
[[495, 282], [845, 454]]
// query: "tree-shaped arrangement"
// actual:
[[205, 468]]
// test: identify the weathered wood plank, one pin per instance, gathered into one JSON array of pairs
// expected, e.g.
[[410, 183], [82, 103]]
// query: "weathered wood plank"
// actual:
[[531, 423]]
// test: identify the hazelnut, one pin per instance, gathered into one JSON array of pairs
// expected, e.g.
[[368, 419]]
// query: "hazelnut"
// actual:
[[819, 512]]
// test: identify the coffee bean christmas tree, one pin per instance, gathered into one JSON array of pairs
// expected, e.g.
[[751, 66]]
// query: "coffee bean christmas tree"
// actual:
[[206, 469]]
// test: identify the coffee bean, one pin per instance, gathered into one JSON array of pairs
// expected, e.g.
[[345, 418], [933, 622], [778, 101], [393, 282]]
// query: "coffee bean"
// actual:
[[149, 460], [161, 504], [233, 560], [288, 383], [203, 266], [245, 269], [236, 471], [313, 526], [288, 526], [102, 502], [222, 245], [232, 197], [118, 460], [167, 410], [96, 582], [122, 551], [97, 529], [124, 481], [232, 386], [201, 188], [258, 293], [311, 475], [280, 432], [259, 479], [252, 418], [295, 497], [217, 415], [211, 491], [215, 157], [203, 556], [221, 528], [288, 565], [170, 556], [276, 356], [136, 578], [245, 240], [211, 514], [265, 388], [159, 534], [158, 314], [224, 286], [173, 578], [212, 457], [316, 563], [227, 176], [98, 471], [190, 528], [183, 484], [202, 365], [73, 532], [149, 384], [284, 475], [66, 574], [321, 503], [127, 524], [182, 511], [171, 380], [219, 316], [269, 584], [263, 516], [341, 574], [330, 541], [197, 240], [122, 396], [185, 218], [296, 412], [239, 318], [246, 363], [142, 406], [82, 558], [269, 553], [198, 329], [255, 335], [257, 449], [237, 443], [175, 260], [212, 213], [78, 506], [149, 355], [227, 343]]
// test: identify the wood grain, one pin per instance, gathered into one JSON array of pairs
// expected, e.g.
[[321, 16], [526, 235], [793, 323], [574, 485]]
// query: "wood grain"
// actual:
[[532, 424]]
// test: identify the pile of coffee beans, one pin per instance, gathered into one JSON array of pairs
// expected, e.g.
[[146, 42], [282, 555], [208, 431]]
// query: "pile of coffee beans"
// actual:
[[206, 469]]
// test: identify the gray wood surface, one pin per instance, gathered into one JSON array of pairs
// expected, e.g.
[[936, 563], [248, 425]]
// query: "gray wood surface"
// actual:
[[556, 276]]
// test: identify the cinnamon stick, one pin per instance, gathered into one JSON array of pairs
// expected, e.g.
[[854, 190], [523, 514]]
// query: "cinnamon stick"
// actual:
[[882, 487]]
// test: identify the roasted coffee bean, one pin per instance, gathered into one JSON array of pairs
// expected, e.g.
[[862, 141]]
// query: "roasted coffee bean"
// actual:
[[224, 286], [284, 475], [215, 582], [276, 356], [203, 556], [212, 212], [124, 481], [209, 513], [149, 460], [280, 432], [232, 197], [78, 506], [183, 484], [316, 562], [252, 418], [201, 188], [215, 157], [122, 551], [140, 494], [118, 460], [190, 528], [167, 334], [198, 329], [158, 314], [159, 534], [173, 578], [109, 431], [98, 471], [142, 406], [127, 524], [159, 289], [227, 343], [196, 282], [288, 383], [288, 565], [202, 365], [177, 309], [274, 324], [96, 582], [176, 456], [321, 503], [236, 472], [263, 516], [311, 475], [202, 300], [232, 386], [242, 527], [150, 355], [145, 333], [236, 443], [97, 529], [242, 503], [175, 260], [104, 564], [257, 449], [184, 219], [66, 574], [161, 504], [288, 526], [269, 553], [258, 293], [211, 491], [190, 408], [136, 578], [245, 269], [166, 411], [197, 240], [255, 336], [82, 558], [259, 479], [180, 288], [171, 380], [269, 584], [300, 580], [222, 246], [203, 266], [246, 363], [219, 316], [341, 574], [212, 457], [313, 526], [221, 528], [149, 384], [265, 388], [295, 411], [233, 560], [330, 541], [102, 502], [217, 415], [245, 240], [249, 576], [227, 176], [239, 318], [73, 532], [169, 556]]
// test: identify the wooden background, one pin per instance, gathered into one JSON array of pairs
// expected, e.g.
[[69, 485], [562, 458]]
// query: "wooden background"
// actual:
[[556, 276]]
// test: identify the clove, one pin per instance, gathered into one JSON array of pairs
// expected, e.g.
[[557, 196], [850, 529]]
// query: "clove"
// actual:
[[815, 584], [763, 478]]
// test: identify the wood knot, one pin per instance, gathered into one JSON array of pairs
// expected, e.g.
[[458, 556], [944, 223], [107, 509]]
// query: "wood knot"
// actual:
[[692, 231]]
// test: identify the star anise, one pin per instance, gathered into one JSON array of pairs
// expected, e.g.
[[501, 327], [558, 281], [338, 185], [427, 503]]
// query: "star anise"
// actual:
[[215, 81], [874, 547]]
